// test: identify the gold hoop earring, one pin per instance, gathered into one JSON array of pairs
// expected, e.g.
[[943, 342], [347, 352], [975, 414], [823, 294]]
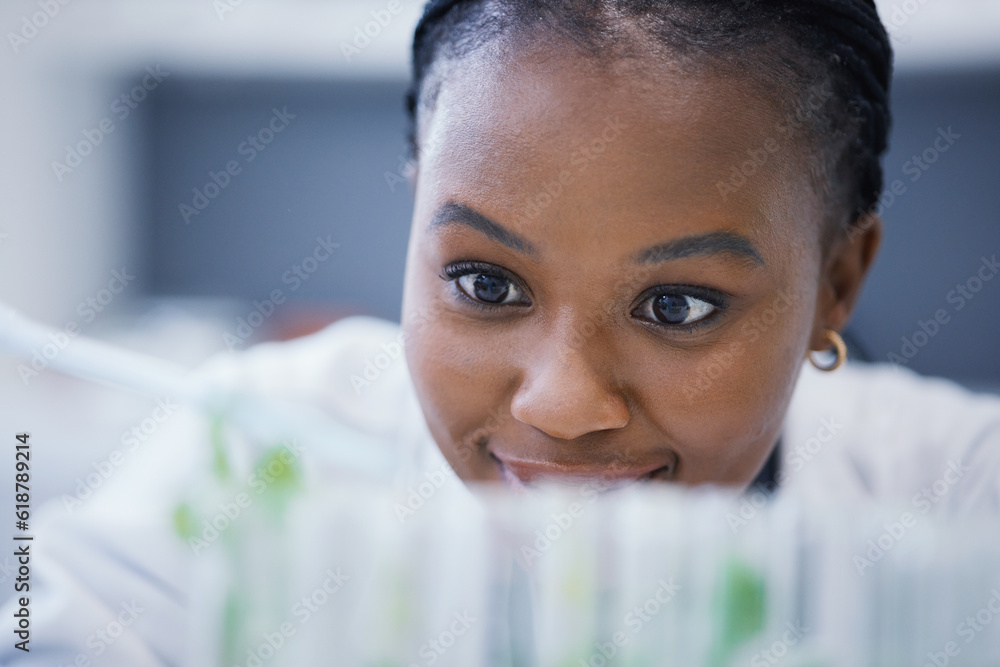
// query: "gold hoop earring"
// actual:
[[837, 342]]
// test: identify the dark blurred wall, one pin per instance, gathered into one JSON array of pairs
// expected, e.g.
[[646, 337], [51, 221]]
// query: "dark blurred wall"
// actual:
[[322, 176], [938, 231]]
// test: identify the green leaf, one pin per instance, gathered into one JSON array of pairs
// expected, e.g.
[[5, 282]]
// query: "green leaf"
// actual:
[[220, 461], [185, 521], [741, 610]]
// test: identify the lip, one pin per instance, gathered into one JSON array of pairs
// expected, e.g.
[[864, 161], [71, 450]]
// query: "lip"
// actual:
[[520, 472]]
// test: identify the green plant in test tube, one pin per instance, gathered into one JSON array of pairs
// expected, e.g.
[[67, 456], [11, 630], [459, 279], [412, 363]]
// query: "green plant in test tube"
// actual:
[[739, 610], [284, 481]]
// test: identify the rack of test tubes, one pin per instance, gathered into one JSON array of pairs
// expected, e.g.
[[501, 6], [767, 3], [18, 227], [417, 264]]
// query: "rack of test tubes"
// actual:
[[349, 573]]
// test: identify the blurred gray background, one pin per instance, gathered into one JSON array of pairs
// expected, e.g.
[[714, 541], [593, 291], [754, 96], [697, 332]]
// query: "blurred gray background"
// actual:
[[938, 230]]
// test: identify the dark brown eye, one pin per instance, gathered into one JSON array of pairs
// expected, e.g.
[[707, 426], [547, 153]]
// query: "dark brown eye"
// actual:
[[489, 289], [671, 309], [675, 309]]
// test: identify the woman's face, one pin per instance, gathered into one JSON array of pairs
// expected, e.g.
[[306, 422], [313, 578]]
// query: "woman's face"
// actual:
[[590, 292]]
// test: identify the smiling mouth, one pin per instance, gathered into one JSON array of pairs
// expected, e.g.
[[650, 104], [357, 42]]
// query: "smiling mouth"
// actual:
[[520, 474]]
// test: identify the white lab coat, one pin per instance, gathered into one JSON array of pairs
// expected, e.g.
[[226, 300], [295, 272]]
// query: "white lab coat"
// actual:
[[110, 579]]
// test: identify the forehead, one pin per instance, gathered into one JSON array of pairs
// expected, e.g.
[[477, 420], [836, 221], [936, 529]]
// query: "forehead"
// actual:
[[639, 141]]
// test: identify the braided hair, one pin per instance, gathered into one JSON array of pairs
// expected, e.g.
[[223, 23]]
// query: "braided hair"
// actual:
[[795, 46]]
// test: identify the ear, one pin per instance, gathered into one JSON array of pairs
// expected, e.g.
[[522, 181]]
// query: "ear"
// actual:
[[844, 271]]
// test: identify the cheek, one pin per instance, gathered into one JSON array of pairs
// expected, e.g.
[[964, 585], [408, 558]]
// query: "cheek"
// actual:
[[460, 378], [724, 406]]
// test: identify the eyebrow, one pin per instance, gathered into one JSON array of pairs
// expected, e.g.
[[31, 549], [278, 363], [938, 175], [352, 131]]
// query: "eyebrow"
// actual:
[[452, 213], [701, 244]]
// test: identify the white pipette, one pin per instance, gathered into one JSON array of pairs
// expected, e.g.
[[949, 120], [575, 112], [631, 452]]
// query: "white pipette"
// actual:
[[267, 420]]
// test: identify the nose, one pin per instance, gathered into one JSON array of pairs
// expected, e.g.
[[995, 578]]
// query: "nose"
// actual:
[[565, 395]]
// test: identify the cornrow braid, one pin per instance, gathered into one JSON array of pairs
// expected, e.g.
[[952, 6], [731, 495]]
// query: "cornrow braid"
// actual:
[[800, 44], [422, 58]]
